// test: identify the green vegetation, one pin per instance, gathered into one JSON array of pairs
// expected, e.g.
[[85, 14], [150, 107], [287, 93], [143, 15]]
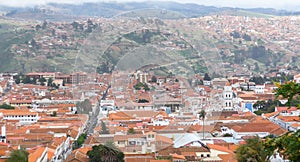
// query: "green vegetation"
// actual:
[[206, 77], [143, 37], [164, 158], [54, 114], [6, 106], [202, 115], [103, 153], [131, 131], [265, 106], [42, 81], [259, 150], [25, 48], [143, 101], [18, 156], [254, 150], [288, 91], [141, 85], [80, 140], [259, 53]]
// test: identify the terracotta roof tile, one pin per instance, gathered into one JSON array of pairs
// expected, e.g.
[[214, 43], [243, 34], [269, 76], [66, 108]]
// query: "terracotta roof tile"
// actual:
[[33, 157]]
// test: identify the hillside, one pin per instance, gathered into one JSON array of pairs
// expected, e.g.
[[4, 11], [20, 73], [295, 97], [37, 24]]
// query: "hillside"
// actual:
[[163, 10], [195, 45]]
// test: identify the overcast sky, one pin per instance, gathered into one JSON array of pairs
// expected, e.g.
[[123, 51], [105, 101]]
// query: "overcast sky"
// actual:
[[278, 4]]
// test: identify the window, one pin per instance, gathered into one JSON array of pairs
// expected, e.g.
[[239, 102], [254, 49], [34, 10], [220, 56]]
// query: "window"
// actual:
[[131, 142]]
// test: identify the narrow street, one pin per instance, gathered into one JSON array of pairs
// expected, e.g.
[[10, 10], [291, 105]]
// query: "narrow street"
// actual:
[[93, 118]]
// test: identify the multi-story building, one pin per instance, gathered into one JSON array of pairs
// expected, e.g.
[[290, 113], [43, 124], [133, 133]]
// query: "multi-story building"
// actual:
[[227, 98], [22, 116], [78, 77]]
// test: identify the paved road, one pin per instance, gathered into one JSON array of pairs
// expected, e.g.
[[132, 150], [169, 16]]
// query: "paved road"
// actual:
[[93, 118]]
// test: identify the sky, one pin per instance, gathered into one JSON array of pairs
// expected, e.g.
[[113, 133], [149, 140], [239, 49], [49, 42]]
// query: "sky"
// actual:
[[277, 4]]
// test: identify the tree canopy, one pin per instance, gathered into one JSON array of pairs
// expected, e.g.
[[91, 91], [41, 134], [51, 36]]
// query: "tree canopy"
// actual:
[[6, 106], [253, 151], [18, 156], [287, 91], [103, 153], [257, 150]]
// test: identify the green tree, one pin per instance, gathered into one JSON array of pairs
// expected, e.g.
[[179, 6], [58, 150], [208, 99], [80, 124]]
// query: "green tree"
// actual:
[[153, 79], [130, 131], [288, 145], [26, 80], [6, 106], [202, 115], [80, 140], [18, 156], [18, 79], [253, 151], [42, 80], [287, 91], [63, 83], [102, 153], [146, 87], [54, 114], [206, 77], [49, 82]]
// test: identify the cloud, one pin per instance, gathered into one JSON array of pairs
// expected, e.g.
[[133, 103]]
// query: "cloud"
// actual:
[[280, 4]]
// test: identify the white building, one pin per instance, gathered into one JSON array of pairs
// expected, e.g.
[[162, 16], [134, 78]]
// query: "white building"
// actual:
[[259, 89], [228, 98], [24, 117]]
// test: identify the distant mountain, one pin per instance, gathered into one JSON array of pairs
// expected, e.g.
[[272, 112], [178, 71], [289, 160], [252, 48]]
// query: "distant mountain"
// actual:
[[57, 11]]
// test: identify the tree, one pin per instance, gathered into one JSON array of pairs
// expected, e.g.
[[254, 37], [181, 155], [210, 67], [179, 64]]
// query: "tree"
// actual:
[[104, 129], [287, 91], [202, 115], [6, 106], [38, 27], [146, 87], [206, 77], [130, 131], [153, 79], [26, 80], [253, 151], [63, 83], [80, 140], [246, 37], [288, 145], [49, 82], [18, 156], [18, 80], [54, 114], [102, 153], [42, 80]]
